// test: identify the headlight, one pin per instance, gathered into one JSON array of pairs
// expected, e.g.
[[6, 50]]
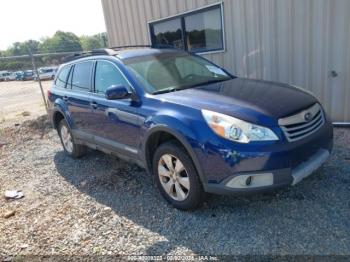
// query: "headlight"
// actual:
[[237, 130]]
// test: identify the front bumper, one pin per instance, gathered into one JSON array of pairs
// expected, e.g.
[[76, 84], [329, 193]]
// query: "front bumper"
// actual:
[[275, 165], [307, 168], [280, 178]]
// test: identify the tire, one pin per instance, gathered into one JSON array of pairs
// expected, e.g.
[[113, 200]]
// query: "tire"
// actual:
[[71, 148], [179, 184]]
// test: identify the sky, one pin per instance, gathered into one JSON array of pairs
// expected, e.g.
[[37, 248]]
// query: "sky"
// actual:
[[21, 20]]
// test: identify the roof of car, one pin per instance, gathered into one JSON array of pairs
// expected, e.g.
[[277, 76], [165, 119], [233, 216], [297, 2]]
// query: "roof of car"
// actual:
[[132, 53], [123, 53]]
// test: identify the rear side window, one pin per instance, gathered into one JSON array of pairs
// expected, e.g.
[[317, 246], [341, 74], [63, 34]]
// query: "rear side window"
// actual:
[[107, 75], [61, 80], [82, 76]]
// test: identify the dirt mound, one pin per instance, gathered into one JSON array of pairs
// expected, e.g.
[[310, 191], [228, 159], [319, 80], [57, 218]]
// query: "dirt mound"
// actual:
[[25, 130], [41, 123]]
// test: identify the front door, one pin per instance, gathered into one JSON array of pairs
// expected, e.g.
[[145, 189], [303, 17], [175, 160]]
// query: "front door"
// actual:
[[115, 122]]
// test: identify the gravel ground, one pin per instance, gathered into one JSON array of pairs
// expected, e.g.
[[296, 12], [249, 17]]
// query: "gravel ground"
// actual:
[[102, 205]]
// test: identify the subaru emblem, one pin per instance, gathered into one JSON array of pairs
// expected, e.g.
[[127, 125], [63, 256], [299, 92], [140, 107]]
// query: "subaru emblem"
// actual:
[[308, 117]]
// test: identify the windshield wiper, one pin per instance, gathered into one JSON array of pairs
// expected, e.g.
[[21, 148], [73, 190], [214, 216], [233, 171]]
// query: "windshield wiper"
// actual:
[[172, 89], [209, 82], [164, 90]]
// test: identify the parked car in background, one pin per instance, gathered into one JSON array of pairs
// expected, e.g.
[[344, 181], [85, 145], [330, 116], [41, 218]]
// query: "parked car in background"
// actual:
[[19, 75], [193, 125], [11, 77], [5, 75], [46, 73], [27, 75]]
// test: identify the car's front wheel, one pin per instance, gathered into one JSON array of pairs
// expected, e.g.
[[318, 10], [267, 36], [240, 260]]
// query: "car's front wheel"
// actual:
[[71, 148], [176, 176]]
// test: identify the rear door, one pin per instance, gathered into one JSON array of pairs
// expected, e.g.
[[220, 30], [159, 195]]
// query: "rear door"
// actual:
[[79, 99], [115, 122]]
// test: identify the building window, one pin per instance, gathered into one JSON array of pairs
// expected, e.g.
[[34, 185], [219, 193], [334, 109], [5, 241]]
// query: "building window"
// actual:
[[168, 33], [199, 31]]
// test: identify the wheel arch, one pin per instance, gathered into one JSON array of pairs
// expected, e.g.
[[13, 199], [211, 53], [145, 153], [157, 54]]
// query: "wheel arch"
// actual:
[[154, 137], [57, 116], [60, 112]]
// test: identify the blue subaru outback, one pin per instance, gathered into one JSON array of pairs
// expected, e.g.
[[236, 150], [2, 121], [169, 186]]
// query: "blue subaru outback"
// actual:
[[191, 124]]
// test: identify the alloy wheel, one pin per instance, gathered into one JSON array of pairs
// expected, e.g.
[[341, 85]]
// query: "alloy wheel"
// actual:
[[66, 139], [173, 177]]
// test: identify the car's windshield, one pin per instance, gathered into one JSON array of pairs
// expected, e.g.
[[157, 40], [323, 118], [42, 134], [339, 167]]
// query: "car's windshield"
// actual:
[[170, 72]]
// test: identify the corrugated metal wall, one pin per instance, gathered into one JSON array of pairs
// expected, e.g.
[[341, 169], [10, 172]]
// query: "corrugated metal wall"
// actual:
[[295, 41]]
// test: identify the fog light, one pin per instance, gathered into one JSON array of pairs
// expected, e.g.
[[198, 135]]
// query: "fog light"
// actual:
[[251, 181], [248, 180]]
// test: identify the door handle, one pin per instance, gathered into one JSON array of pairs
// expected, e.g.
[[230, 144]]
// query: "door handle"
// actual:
[[65, 98], [93, 105], [334, 73]]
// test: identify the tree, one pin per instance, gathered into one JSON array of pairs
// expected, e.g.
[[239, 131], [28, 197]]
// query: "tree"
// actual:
[[33, 45], [61, 42], [20, 48], [93, 42], [16, 49]]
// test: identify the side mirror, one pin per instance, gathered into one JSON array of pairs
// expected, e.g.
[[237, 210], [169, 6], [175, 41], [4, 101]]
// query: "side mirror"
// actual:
[[117, 92]]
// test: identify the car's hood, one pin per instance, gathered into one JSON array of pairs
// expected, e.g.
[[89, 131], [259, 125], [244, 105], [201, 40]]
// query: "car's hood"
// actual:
[[257, 101]]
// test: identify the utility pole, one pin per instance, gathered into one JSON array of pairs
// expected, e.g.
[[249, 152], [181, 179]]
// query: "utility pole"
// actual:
[[38, 77], [103, 37]]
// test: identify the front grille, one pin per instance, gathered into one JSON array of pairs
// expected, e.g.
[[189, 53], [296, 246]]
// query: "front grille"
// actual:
[[303, 124]]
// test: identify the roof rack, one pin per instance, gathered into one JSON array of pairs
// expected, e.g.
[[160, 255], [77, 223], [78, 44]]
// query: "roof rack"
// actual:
[[101, 51], [107, 51], [128, 46], [151, 46]]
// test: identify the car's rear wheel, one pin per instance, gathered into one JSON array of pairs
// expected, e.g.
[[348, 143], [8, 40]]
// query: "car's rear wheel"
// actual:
[[176, 176], [71, 148]]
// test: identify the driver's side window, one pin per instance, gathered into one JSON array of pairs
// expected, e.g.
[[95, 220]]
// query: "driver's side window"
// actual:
[[108, 75]]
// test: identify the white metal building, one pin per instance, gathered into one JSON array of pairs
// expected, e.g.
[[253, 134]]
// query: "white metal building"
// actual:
[[301, 42]]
